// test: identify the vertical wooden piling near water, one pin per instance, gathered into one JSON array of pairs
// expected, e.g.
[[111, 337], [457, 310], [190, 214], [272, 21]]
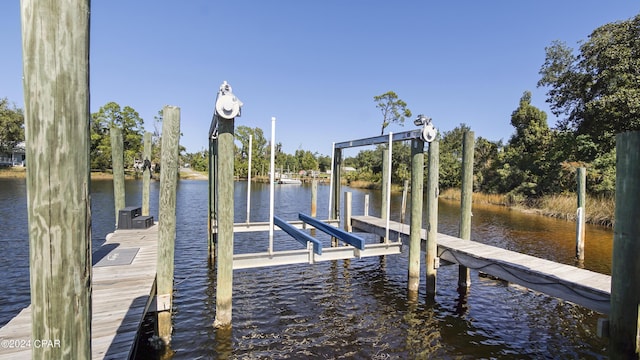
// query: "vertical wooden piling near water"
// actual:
[[625, 271], [167, 218], [334, 211], [224, 172], [146, 173], [385, 187], [55, 53], [581, 180], [466, 200], [117, 167], [417, 188], [432, 216]]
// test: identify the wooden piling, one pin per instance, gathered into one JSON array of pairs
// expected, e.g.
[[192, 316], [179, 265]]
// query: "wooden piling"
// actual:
[[314, 197], [212, 218], [581, 180], [117, 166], [417, 188], [625, 271], [431, 263], [336, 189], [224, 172], [146, 173], [466, 200], [385, 187], [347, 211], [55, 53], [167, 218]]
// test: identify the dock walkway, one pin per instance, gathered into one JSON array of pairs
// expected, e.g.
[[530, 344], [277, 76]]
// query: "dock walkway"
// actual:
[[124, 275], [583, 287]]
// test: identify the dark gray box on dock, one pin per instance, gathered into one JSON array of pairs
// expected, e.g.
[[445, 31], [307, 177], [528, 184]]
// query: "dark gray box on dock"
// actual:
[[126, 215], [142, 222]]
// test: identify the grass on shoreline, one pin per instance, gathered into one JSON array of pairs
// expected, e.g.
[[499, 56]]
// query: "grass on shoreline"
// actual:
[[599, 210]]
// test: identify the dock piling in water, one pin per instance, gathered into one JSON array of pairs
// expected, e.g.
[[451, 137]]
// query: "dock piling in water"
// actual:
[[167, 219], [417, 189], [625, 270], [466, 200], [431, 248], [55, 53], [117, 168]]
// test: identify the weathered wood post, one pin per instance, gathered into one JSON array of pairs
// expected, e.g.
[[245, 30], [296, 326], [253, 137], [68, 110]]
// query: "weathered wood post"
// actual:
[[348, 196], [117, 166], [146, 173], [55, 53], [431, 264], [581, 179], [466, 200], [625, 270], [417, 189], [213, 180], [366, 204], [227, 108], [385, 188], [336, 189], [314, 197], [167, 218]]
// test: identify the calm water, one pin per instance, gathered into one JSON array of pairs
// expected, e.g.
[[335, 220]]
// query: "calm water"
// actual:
[[340, 309]]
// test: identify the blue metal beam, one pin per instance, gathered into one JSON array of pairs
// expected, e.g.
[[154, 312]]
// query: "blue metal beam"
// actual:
[[349, 238], [299, 235]]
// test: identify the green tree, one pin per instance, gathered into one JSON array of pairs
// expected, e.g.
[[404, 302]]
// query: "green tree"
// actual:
[[596, 89], [527, 151], [11, 125], [393, 109], [451, 157], [127, 119], [259, 150]]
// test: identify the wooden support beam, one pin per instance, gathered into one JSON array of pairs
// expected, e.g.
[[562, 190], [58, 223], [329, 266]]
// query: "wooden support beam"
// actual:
[[581, 180], [466, 200], [299, 235], [146, 173], [625, 269], [55, 53], [335, 232], [224, 191], [117, 168], [431, 247], [167, 215], [417, 189]]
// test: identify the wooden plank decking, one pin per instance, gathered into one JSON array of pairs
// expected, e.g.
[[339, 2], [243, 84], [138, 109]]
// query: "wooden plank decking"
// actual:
[[120, 297], [580, 286]]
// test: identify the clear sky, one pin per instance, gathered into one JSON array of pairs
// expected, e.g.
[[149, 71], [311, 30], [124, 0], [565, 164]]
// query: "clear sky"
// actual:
[[316, 65]]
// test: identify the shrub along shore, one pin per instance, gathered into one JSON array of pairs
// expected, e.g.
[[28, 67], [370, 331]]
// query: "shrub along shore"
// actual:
[[599, 210]]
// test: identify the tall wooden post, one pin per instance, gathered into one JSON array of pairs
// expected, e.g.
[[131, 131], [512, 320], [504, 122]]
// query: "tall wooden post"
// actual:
[[167, 218], [466, 200], [417, 189], [625, 271], [431, 263], [224, 172], [146, 173], [385, 187], [213, 219], [117, 166], [55, 53], [581, 179], [335, 191]]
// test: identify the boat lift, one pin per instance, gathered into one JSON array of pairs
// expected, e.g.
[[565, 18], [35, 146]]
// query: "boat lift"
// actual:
[[354, 246]]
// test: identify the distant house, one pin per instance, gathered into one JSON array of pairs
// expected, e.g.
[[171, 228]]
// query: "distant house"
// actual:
[[348, 169], [16, 157]]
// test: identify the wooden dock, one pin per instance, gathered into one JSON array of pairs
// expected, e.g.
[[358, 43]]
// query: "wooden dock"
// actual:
[[580, 286], [123, 279]]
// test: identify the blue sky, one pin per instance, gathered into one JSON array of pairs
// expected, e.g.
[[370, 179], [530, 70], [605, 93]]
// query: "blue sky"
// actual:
[[316, 65]]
